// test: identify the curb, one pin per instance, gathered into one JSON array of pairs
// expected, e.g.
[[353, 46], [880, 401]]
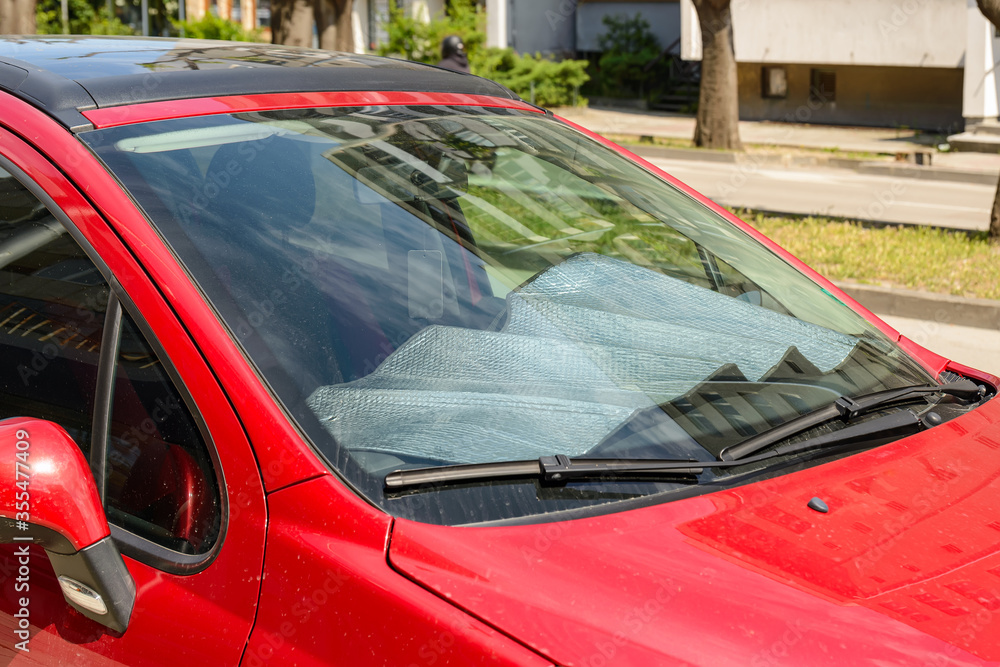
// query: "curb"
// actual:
[[940, 308], [871, 167]]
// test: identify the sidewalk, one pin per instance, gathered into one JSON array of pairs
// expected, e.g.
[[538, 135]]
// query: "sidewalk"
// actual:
[[886, 142], [977, 348], [964, 330]]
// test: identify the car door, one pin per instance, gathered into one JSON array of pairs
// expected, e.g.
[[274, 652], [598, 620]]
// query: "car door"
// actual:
[[87, 341]]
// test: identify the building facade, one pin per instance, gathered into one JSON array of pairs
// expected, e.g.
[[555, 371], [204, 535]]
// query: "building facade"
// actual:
[[852, 62], [929, 64], [571, 27]]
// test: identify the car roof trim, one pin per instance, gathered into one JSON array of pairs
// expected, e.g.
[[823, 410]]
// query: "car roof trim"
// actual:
[[153, 111]]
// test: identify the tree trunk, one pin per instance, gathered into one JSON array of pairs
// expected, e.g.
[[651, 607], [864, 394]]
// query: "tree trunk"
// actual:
[[994, 230], [333, 21], [291, 22], [717, 124], [991, 10], [17, 17]]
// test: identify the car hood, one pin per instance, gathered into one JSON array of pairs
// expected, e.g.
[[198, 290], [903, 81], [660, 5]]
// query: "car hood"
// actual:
[[903, 569]]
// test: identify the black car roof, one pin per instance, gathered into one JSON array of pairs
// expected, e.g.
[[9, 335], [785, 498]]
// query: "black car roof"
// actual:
[[64, 75]]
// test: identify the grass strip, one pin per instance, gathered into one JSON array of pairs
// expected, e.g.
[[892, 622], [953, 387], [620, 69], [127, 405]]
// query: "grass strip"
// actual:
[[919, 258], [636, 141]]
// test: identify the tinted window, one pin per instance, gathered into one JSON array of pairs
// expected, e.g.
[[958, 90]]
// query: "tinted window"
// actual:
[[159, 479], [160, 482], [52, 305]]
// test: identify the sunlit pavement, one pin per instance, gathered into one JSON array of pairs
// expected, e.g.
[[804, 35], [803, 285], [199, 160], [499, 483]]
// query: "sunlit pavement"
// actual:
[[979, 348], [839, 193], [678, 126], [792, 135]]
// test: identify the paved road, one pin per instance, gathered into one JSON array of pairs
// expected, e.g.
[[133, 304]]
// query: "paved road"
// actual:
[[661, 124], [979, 348], [838, 192], [859, 139]]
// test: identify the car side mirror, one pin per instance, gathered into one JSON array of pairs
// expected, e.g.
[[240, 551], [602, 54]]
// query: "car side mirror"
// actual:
[[48, 497]]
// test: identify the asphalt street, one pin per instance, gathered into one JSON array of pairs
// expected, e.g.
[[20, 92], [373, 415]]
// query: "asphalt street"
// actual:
[[838, 192]]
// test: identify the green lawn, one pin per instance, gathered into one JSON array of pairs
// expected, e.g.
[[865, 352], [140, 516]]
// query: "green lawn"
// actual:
[[634, 142], [919, 258]]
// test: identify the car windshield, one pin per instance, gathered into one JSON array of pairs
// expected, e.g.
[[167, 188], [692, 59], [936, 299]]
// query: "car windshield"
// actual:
[[433, 285]]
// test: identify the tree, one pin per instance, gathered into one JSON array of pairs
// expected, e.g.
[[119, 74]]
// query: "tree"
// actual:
[[717, 124], [84, 19], [991, 10], [291, 22], [17, 17], [628, 48], [412, 38], [333, 24]]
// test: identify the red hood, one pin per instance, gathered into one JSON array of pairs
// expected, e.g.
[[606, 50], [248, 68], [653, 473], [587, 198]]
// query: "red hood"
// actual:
[[904, 569]]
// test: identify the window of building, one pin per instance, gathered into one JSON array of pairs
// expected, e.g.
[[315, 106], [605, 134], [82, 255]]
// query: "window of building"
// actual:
[[774, 82], [822, 86]]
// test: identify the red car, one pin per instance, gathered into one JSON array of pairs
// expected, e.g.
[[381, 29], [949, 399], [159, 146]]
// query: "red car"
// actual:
[[315, 358]]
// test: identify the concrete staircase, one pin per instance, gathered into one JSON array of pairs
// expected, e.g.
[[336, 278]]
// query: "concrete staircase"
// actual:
[[681, 98], [983, 137]]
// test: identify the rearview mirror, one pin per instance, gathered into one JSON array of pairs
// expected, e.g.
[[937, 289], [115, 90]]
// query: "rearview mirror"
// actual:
[[48, 497]]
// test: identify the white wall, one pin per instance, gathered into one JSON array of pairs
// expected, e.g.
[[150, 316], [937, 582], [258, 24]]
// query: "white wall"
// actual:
[[359, 25], [980, 89], [906, 33], [544, 26], [496, 23], [664, 21], [424, 10]]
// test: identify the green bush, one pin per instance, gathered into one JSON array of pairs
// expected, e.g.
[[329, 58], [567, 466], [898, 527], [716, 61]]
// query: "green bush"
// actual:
[[211, 26], [413, 39], [628, 46], [87, 19], [84, 19], [555, 82], [408, 38]]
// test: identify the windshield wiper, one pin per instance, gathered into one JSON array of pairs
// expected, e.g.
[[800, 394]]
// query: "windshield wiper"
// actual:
[[846, 409], [891, 426], [558, 468]]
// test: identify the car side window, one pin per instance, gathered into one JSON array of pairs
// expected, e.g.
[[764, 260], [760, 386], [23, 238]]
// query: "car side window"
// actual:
[[159, 479], [52, 308]]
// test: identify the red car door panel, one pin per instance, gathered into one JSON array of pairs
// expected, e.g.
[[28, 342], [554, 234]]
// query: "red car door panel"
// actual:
[[199, 613], [329, 594]]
